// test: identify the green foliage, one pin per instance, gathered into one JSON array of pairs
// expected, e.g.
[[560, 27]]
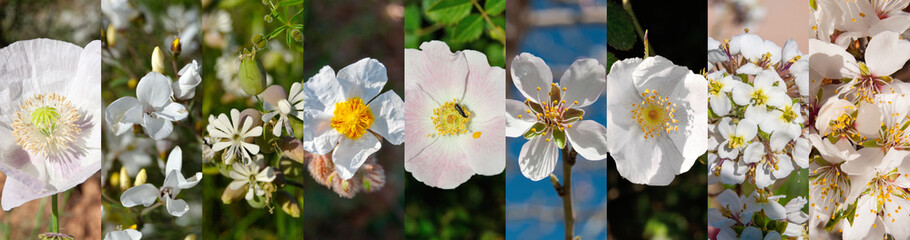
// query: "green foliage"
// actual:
[[620, 31], [463, 24], [474, 210]]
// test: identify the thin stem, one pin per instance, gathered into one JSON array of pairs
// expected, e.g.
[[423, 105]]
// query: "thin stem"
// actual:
[[485, 16], [641, 33], [565, 191], [150, 208], [293, 183], [55, 226]]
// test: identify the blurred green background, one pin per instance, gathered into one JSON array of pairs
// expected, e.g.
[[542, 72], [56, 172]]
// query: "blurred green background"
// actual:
[[228, 27], [339, 33], [677, 31]]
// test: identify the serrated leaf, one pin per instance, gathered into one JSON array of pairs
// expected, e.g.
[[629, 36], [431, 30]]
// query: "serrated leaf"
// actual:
[[411, 17], [495, 7], [449, 11], [468, 29], [620, 32]]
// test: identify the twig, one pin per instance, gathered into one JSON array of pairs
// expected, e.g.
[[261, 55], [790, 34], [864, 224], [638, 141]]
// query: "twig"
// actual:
[[565, 190]]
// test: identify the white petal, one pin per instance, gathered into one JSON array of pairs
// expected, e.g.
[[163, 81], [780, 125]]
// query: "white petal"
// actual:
[[351, 153], [538, 157], [742, 94], [886, 53], [584, 82], [144, 194], [154, 90], [529, 73], [363, 79], [831, 60], [589, 139], [173, 112], [157, 128], [436, 71], [388, 110], [318, 135], [754, 152], [516, 126], [862, 223], [442, 164], [174, 160], [176, 207], [122, 114], [751, 233], [869, 120]]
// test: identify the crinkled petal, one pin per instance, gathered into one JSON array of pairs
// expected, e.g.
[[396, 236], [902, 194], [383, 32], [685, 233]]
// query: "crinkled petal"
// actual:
[[351, 153], [388, 110]]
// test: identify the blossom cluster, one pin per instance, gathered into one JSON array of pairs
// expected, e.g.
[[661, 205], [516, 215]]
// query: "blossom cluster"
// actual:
[[756, 121], [859, 174]]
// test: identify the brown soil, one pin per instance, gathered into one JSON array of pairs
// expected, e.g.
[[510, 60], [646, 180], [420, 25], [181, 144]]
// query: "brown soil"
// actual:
[[80, 218]]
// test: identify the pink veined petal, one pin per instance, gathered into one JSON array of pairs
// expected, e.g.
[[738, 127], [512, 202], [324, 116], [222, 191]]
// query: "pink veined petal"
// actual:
[[441, 164], [436, 71], [486, 89], [538, 157], [419, 124], [486, 154]]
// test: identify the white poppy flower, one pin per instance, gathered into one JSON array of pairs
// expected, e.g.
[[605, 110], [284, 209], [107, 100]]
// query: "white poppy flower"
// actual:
[[251, 176], [551, 117], [152, 108], [656, 119], [455, 115], [185, 87], [125, 234], [290, 106], [229, 134], [767, 90], [342, 113], [885, 54], [146, 194], [50, 118]]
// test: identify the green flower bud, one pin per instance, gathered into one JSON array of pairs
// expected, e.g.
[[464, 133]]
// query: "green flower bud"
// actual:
[[252, 75]]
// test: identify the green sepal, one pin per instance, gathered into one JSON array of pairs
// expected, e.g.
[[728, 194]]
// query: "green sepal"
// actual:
[[572, 114], [555, 94], [560, 137], [536, 130]]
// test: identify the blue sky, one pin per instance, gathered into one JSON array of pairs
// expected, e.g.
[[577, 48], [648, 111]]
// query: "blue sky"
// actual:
[[534, 210]]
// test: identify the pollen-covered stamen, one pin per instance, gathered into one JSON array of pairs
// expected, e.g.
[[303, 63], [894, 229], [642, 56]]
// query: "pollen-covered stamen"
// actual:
[[842, 127], [759, 97], [883, 189], [765, 61], [451, 119], [715, 87], [655, 114], [555, 113], [46, 124], [352, 118], [867, 85], [894, 135], [830, 183]]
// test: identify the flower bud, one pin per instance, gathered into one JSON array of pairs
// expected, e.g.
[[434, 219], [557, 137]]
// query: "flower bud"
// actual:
[[259, 41], [115, 179], [175, 46], [292, 148], [111, 36], [288, 204], [231, 195], [124, 179], [252, 75], [140, 178], [157, 60]]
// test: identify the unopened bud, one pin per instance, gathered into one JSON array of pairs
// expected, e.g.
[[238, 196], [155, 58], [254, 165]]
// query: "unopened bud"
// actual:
[[157, 60], [175, 46], [140, 178], [252, 75], [124, 179]]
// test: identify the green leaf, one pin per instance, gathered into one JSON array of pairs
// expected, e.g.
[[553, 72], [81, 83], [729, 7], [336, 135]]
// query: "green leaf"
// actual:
[[496, 54], [286, 3], [411, 17], [610, 60], [468, 29], [620, 32], [495, 7], [449, 11]]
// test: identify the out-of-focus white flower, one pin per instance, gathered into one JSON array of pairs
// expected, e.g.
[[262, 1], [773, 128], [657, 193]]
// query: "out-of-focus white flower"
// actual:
[[152, 108], [185, 86], [228, 133], [147, 194], [125, 234], [251, 176]]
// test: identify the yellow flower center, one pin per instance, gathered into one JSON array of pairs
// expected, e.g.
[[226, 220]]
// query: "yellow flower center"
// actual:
[[451, 119], [655, 115], [735, 142], [715, 87], [352, 118], [46, 124], [759, 97]]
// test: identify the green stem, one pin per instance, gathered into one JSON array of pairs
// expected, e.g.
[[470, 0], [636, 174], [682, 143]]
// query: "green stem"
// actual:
[[485, 16], [54, 219], [641, 33]]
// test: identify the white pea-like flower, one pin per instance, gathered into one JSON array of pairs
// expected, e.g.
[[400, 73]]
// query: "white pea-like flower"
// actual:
[[152, 108], [174, 182]]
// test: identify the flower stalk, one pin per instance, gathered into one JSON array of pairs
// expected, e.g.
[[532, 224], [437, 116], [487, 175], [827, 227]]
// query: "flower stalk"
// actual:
[[55, 226], [565, 190]]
